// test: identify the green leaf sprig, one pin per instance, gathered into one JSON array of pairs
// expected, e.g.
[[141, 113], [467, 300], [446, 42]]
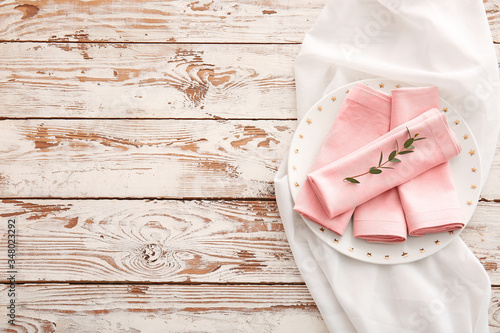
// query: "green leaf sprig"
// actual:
[[375, 170]]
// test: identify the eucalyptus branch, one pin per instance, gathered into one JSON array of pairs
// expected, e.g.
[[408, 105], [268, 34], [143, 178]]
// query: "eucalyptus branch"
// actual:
[[375, 170]]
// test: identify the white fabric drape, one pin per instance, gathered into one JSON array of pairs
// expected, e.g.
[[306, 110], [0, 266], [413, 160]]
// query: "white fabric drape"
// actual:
[[444, 43]]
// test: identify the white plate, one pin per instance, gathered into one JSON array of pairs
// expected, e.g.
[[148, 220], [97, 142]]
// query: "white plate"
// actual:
[[466, 169]]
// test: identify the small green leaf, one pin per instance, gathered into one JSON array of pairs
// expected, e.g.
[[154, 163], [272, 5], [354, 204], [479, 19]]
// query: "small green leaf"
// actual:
[[351, 180], [384, 167], [375, 171], [409, 142], [395, 160], [397, 145], [416, 135], [420, 138], [411, 147], [392, 155], [409, 134], [406, 152], [381, 156]]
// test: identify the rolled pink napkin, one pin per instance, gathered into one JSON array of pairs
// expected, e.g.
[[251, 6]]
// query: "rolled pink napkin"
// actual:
[[439, 209], [381, 219], [362, 117], [337, 195]]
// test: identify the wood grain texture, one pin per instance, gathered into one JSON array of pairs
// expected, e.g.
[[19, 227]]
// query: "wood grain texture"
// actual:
[[146, 81], [491, 190], [163, 308], [492, 8], [172, 308], [150, 158], [269, 21], [150, 241], [141, 158], [176, 241], [482, 234], [494, 310], [159, 21]]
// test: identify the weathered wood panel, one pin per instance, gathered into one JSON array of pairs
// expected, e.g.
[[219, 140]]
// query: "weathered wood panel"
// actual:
[[482, 234], [146, 81], [162, 308], [494, 310], [149, 241], [491, 190], [172, 308], [176, 241], [270, 21], [141, 158], [492, 8], [149, 158], [159, 21]]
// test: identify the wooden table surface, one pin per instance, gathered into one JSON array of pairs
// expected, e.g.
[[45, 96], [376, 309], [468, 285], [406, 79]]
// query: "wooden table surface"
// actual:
[[139, 144]]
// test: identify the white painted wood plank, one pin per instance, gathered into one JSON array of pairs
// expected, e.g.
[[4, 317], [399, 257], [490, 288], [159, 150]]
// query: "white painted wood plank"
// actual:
[[265, 21], [163, 308], [177, 241], [146, 81], [141, 158], [149, 241], [268, 21], [172, 308], [491, 190]]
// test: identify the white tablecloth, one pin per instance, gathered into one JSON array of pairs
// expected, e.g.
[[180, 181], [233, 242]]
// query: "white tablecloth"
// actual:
[[444, 43]]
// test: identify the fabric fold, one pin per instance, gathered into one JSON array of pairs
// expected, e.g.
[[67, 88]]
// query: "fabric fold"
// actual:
[[337, 195], [427, 43]]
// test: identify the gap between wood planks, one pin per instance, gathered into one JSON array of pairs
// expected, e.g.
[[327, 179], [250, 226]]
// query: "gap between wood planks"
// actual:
[[187, 283], [215, 118], [147, 43]]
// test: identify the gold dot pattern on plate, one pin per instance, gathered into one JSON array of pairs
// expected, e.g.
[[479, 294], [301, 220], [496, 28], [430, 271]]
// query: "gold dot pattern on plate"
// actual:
[[401, 255]]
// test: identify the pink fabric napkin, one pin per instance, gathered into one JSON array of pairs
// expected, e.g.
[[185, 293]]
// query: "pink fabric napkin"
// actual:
[[438, 210], [380, 219], [338, 196], [362, 117]]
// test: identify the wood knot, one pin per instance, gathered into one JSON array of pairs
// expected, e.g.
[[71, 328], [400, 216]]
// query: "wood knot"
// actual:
[[151, 252]]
